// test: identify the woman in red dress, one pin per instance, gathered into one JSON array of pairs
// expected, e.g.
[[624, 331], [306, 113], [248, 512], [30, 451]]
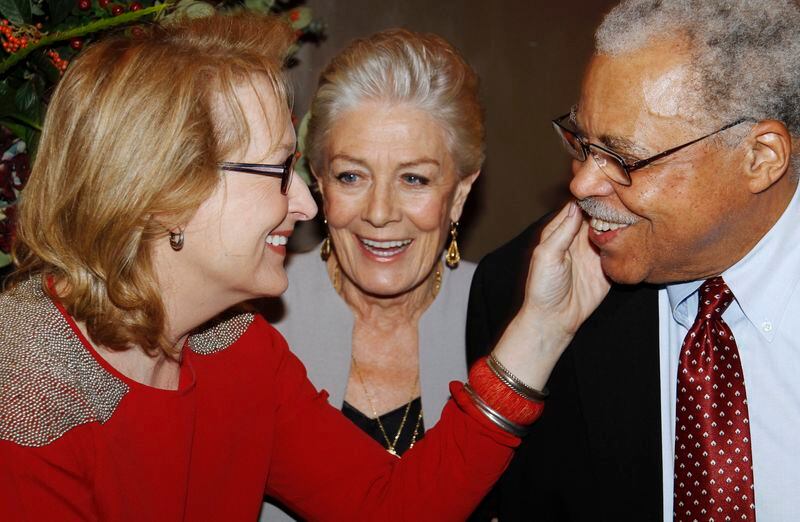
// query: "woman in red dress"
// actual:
[[131, 388]]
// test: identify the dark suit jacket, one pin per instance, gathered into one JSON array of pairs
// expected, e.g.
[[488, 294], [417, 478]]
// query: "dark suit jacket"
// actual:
[[595, 454]]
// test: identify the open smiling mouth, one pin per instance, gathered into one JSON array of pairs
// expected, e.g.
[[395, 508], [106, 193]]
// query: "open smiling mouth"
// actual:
[[277, 240], [600, 226], [385, 248]]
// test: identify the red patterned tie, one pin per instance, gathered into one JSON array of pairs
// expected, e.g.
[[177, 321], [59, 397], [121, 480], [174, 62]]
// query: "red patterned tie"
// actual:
[[713, 461]]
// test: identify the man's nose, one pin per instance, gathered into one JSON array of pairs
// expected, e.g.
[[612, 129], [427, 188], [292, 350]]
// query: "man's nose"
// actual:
[[589, 180]]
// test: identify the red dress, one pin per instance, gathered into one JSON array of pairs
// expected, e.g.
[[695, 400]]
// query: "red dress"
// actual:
[[80, 441]]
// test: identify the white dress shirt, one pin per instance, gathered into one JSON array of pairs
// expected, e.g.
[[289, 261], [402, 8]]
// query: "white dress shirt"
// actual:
[[765, 320]]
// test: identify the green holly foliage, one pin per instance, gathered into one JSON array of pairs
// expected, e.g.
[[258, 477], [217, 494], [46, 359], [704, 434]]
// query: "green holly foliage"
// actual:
[[38, 39], [16, 11], [56, 30]]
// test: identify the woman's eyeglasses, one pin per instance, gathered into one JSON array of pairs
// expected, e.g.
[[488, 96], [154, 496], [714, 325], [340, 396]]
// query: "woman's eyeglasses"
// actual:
[[283, 171]]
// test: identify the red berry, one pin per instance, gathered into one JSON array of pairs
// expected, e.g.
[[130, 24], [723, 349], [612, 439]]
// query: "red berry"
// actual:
[[135, 6], [117, 10], [294, 16], [76, 43], [103, 3], [84, 5], [137, 32]]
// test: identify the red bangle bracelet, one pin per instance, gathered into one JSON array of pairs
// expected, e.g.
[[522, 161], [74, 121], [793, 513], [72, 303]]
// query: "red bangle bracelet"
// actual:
[[500, 397]]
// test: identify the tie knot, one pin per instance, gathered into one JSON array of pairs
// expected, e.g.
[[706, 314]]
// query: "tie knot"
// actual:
[[715, 297]]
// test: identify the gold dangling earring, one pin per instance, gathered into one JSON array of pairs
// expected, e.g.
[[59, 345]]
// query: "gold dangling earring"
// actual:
[[453, 256], [326, 248], [437, 280]]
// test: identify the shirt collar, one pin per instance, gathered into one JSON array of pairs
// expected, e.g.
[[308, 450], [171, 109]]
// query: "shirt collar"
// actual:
[[762, 281], [679, 295]]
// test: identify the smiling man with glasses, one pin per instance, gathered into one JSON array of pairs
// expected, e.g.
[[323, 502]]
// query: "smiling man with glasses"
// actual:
[[679, 398]]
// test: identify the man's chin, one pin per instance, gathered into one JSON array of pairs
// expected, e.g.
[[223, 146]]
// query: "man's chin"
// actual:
[[622, 272]]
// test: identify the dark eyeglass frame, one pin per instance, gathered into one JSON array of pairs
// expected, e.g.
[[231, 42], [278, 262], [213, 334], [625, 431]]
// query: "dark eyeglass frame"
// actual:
[[627, 168], [284, 171]]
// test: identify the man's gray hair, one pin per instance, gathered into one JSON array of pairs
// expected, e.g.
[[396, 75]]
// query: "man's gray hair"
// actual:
[[746, 53]]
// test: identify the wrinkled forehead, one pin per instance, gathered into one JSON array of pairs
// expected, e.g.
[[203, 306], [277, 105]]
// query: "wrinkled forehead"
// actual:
[[639, 94]]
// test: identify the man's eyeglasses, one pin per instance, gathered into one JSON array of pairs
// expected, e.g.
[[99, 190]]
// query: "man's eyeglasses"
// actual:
[[283, 171], [611, 163]]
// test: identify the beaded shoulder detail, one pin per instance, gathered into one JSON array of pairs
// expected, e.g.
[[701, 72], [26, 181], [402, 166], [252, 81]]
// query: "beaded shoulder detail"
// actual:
[[49, 382], [220, 333]]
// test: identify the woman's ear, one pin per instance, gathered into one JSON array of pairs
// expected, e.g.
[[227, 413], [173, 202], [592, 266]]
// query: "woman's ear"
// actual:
[[769, 155], [460, 197]]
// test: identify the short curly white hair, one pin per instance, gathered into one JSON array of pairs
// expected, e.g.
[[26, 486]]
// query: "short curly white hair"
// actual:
[[746, 54]]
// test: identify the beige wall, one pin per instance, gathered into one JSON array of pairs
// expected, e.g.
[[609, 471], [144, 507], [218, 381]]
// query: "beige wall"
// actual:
[[529, 55]]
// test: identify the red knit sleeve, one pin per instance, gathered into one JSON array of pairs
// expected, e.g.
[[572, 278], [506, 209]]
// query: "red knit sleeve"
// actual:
[[323, 466]]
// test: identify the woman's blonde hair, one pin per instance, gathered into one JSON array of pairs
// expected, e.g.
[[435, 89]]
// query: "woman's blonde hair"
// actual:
[[401, 67], [129, 150]]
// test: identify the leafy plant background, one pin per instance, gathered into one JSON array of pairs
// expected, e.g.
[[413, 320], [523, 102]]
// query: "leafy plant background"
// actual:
[[40, 37]]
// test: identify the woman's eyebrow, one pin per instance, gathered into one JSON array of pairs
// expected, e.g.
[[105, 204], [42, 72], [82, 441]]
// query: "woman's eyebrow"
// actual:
[[421, 161], [347, 157], [285, 149]]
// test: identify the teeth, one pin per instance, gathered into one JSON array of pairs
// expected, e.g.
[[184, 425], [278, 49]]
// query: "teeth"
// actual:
[[385, 248], [277, 240], [385, 244], [603, 226]]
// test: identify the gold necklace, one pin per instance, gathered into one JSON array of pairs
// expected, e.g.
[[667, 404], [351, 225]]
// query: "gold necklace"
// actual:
[[416, 426], [391, 444]]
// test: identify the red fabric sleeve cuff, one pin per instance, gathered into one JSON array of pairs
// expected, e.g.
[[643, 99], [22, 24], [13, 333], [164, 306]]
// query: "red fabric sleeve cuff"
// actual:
[[502, 398], [465, 404]]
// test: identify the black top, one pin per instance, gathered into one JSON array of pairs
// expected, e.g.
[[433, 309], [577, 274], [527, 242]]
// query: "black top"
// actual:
[[391, 423]]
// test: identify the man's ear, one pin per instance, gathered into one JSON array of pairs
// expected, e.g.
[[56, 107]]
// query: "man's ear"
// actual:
[[769, 154], [460, 197]]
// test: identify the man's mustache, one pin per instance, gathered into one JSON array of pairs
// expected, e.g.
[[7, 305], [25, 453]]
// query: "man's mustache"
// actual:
[[597, 209]]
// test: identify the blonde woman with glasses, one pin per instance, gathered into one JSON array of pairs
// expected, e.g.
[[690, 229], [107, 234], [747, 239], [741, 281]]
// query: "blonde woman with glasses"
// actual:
[[131, 385]]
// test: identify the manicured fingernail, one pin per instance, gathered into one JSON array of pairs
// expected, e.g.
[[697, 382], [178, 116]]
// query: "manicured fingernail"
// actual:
[[571, 211]]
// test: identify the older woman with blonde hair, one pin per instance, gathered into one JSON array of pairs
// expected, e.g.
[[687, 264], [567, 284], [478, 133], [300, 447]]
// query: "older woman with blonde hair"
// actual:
[[132, 388]]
